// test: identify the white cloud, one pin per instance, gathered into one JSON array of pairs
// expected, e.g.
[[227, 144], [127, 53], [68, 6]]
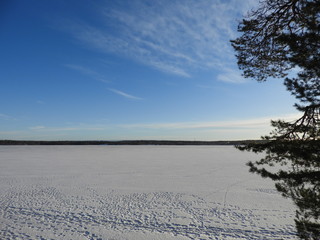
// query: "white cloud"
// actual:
[[68, 128], [41, 102], [123, 94], [6, 117], [230, 125], [231, 76], [37, 127], [255, 123], [213, 130], [10, 133], [88, 72], [172, 36]]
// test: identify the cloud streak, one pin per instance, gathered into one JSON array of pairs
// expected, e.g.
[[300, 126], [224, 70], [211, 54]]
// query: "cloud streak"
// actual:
[[123, 94], [218, 130], [176, 37], [231, 76], [6, 117], [235, 124], [37, 127], [88, 72], [66, 129], [244, 126]]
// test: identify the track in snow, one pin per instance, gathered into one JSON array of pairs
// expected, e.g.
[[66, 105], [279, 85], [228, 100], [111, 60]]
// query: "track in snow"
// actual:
[[53, 193]]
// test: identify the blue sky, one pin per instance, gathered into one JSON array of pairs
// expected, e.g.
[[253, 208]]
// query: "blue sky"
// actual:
[[129, 69]]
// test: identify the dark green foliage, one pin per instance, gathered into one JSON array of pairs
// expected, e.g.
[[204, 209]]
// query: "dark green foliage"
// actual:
[[284, 35], [292, 160], [279, 36], [295, 167]]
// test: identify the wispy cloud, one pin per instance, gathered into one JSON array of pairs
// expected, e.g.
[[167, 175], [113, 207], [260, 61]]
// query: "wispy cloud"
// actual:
[[232, 124], [40, 102], [6, 117], [231, 76], [251, 123], [176, 37], [218, 130], [67, 128], [123, 94], [87, 72], [37, 127]]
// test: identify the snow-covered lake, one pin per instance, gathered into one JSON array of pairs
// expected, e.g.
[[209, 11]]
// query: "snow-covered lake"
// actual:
[[137, 192]]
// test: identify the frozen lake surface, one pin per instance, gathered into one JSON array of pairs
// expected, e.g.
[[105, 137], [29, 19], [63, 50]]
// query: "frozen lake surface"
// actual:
[[137, 192]]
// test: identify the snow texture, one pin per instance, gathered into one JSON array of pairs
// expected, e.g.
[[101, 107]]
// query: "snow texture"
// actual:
[[137, 192]]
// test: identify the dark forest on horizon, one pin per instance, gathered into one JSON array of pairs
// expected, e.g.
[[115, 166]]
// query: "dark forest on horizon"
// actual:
[[125, 142]]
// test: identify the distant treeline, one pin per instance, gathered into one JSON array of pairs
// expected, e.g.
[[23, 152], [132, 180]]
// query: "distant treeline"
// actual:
[[125, 142]]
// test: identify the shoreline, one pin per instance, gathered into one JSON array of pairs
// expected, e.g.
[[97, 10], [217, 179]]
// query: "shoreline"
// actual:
[[125, 142]]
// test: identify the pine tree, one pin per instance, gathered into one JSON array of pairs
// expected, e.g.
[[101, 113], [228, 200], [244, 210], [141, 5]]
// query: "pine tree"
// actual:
[[280, 38]]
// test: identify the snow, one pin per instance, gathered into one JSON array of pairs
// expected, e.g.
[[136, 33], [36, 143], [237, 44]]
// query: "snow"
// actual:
[[137, 192]]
